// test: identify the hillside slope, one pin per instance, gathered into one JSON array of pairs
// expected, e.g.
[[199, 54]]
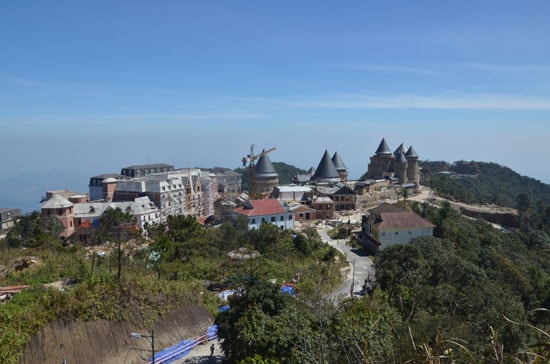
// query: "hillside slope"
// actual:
[[108, 342], [482, 182]]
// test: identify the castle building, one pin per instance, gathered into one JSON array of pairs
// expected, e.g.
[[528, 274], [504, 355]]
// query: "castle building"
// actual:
[[266, 178], [401, 164]]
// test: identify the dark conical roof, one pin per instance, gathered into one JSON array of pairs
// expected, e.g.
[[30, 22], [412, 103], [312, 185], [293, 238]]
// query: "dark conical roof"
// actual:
[[400, 149], [264, 167], [401, 158], [383, 148], [326, 170], [338, 163], [411, 152]]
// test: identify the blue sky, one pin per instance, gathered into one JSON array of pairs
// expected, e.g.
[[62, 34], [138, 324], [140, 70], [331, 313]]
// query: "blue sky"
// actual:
[[94, 86]]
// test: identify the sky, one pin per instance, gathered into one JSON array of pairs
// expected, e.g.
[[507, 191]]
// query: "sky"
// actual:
[[89, 87]]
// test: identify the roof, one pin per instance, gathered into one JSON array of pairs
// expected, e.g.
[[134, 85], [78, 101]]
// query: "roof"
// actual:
[[261, 207], [401, 158], [264, 167], [383, 148], [56, 202], [326, 170], [338, 163], [400, 149], [402, 220], [294, 188], [149, 166], [386, 207], [411, 152], [322, 199]]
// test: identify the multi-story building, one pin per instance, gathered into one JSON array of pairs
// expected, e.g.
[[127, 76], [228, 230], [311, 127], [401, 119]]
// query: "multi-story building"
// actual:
[[96, 187], [62, 209], [143, 170], [228, 181], [178, 192], [8, 218], [87, 215]]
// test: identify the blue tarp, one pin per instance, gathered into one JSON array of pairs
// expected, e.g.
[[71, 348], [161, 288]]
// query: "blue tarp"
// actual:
[[184, 347], [288, 289], [224, 308]]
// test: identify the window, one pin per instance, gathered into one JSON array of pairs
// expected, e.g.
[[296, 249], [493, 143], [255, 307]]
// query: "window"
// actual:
[[396, 233], [282, 218], [290, 217], [272, 218], [253, 221]]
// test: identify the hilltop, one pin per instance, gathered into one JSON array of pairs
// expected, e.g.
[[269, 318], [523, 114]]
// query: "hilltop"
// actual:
[[483, 183]]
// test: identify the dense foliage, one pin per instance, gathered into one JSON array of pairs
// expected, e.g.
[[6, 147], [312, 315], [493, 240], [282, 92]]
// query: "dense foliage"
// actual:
[[471, 282], [481, 182], [122, 279]]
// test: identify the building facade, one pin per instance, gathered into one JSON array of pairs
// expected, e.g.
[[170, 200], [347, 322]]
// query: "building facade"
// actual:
[[402, 164], [269, 211]]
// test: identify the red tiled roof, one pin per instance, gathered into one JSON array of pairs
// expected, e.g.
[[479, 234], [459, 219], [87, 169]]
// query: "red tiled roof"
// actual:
[[261, 207], [402, 220]]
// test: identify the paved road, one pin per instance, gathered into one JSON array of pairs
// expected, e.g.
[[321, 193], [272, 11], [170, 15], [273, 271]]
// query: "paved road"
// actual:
[[360, 267]]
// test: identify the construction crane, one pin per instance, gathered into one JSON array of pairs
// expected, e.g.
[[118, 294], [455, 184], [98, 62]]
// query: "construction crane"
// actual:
[[251, 159]]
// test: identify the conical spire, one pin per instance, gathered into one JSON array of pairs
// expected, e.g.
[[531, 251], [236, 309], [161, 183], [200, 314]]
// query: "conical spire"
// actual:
[[411, 153], [400, 149], [264, 167], [338, 163], [326, 170], [401, 158], [383, 148]]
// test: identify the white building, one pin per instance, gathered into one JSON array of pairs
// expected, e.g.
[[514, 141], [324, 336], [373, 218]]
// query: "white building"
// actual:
[[269, 211]]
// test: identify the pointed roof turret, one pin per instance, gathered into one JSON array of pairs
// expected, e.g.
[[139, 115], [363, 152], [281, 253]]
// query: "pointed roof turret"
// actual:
[[383, 148], [326, 170], [264, 167], [338, 163], [411, 153], [401, 158], [400, 149]]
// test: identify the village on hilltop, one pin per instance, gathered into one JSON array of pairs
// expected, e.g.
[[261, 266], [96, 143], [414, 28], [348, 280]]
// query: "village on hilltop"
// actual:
[[152, 192]]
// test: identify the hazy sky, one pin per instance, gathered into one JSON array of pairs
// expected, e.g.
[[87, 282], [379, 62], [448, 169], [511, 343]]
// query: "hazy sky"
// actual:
[[94, 86]]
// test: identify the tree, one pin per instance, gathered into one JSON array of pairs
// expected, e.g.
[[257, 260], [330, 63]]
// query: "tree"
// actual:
[[120, 226]]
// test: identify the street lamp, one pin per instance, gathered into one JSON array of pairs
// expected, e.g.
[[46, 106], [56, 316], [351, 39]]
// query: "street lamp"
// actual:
[[134, 335]]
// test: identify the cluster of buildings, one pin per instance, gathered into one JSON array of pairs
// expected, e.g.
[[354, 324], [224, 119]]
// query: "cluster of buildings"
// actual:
[[152, 192]]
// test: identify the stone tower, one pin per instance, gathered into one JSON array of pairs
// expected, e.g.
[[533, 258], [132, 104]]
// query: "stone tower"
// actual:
[[381, 162], [401, 168], [340, 166], [413, 174], [266, 178]]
